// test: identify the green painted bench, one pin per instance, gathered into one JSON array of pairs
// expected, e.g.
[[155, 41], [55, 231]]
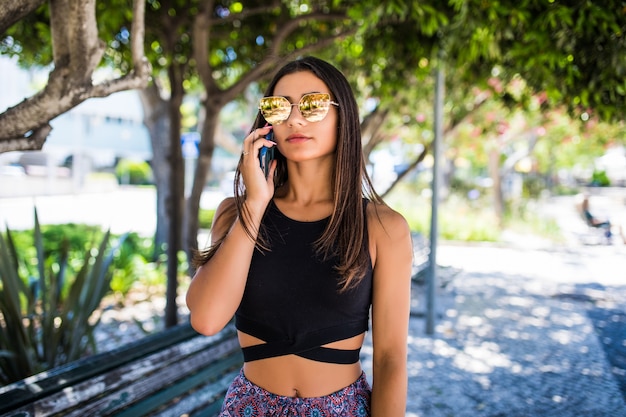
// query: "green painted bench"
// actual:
[[175, 372]]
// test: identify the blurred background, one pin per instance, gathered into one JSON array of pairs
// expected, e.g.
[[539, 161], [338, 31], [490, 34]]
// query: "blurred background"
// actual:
[[523, 103]]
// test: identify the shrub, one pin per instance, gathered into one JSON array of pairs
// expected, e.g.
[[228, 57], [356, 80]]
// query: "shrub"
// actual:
[[133, 172], [600, 179], [132, 261], [42, 324]]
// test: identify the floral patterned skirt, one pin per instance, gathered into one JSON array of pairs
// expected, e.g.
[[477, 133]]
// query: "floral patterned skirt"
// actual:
[[244, 398]]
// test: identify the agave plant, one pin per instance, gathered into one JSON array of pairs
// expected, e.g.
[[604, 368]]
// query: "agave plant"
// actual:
[[42, 326]]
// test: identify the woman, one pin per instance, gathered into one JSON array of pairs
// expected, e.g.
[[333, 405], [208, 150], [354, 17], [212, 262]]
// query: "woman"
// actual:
[[300, 256]]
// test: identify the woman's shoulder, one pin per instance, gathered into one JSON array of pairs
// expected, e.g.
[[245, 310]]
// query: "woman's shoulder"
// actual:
[[385, 222], [391, 247]]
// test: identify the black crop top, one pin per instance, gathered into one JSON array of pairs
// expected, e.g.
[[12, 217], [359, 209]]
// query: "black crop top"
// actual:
[[292, 299]]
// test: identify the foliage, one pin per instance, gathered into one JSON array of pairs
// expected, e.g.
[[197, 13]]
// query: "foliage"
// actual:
[[131, 259], [73, 239], [206, 218], [532, 186], [600, 179], [43, 325], [568, 142], [133, 172], [74, 236], [573, 52], [131, 263], [29, 39], [471, 219], [571, 55]]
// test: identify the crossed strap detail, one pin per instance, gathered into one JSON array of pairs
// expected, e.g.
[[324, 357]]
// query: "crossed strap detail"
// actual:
[[308, 345]]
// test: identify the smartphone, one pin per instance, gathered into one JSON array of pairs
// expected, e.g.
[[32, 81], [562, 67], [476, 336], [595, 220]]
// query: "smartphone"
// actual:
[[266, 155]]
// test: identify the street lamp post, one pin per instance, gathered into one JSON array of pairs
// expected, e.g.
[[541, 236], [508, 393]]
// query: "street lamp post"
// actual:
[[434, 230]]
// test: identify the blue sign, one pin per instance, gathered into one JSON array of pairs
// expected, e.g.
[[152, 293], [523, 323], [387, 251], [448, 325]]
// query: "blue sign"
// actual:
[[189, 143]]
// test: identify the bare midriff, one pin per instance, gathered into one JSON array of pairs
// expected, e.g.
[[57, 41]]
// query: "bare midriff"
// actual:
[[293, 376]]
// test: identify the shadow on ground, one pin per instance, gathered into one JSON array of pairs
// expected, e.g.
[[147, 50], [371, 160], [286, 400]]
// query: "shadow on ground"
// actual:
[[507, 345]]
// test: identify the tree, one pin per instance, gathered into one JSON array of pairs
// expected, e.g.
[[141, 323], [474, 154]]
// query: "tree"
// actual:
[[553, 49], [573, 52], [387, 48], [76, 52], [217, 37]]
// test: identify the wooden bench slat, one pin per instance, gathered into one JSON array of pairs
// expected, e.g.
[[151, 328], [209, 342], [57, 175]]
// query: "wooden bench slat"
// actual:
[[208, 377], [173, 373], [121, 386], [205, 401], [45, 383], [131, 390]]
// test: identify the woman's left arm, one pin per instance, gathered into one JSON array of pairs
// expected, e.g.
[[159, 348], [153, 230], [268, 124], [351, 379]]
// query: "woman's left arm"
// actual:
[[393, 258]]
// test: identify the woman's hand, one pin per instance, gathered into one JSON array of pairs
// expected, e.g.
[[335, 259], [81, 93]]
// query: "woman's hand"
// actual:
[[259, 190], [216, 290]]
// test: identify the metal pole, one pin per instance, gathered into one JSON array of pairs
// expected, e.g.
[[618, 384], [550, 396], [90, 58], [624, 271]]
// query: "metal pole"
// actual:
[[434, 230]]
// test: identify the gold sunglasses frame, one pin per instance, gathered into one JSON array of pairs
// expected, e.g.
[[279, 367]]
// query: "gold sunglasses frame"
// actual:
[[301, 104]]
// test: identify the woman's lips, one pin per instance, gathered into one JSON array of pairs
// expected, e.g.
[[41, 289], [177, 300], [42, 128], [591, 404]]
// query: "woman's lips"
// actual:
[[297, 138]]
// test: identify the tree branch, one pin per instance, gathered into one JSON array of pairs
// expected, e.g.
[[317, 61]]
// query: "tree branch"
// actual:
[[271, 60], [137, 36], [77, 52], [289, 27], [201, 41], [12, 11], [246, 13], [32, 142], [408, 169]]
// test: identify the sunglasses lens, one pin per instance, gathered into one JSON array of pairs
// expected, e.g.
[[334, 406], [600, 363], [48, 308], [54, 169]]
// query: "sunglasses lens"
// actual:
[[274, 109], [314, 107]]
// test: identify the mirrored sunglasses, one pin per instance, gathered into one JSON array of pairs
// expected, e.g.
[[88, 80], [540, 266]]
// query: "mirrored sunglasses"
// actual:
[[313, 107]]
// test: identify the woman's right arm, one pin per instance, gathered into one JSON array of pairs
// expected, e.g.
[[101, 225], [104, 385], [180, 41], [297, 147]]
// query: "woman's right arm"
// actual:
[[217, 287]]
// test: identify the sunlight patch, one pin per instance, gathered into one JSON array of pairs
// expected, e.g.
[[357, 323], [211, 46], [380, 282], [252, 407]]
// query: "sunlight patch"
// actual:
[[482, 359]]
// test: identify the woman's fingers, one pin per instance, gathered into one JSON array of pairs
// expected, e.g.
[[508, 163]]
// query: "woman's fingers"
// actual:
[[253, 144], [258, 187], [256, 139]]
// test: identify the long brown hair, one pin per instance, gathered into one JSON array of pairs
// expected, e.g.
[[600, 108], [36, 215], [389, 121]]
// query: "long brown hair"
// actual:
[[344, 235]]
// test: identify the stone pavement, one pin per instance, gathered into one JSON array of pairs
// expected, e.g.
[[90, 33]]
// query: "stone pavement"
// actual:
[[522, 332], [525, 328]]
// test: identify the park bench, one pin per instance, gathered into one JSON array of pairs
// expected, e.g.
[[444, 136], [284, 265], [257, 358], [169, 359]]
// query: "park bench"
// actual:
[[171, 373]]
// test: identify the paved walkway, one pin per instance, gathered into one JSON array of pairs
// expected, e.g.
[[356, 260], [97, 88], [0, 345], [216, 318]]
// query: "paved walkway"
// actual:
[[517, 336], [525, 329]]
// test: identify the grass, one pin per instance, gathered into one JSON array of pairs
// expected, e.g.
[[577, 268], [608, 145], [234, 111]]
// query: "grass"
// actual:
[[460, 219], [522, 219]]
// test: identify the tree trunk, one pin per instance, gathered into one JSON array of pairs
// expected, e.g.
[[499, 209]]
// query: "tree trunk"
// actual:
[[156, 120], [175, 202], [370, 128], [205, 158]]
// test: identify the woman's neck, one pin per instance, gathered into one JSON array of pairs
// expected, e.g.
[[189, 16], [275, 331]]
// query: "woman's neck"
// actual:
[[308, 183]]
